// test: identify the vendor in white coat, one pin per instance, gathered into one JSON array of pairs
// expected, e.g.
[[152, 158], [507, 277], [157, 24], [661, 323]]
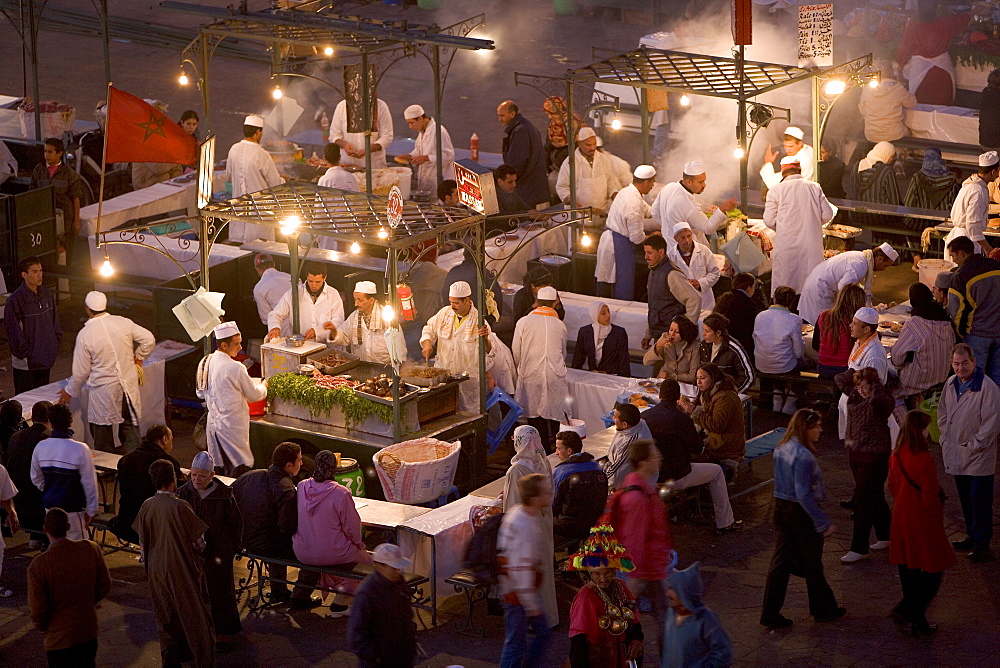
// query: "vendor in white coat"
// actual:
[[500, 367], [455, 332], [792, 142], [868, 351], [250, 169], [697, 263], [676, 203], [619, 167], [596, 183], [226, 387], [625, 229], [353, 143], [971, 208], [272, 286], [826, 280], [796, 210], [365, 330], [336, 176], [424, 154], [321, 309], [540, 355], [108, 351]]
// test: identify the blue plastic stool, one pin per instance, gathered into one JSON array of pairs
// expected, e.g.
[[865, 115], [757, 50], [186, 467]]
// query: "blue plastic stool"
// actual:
[[495, 437]]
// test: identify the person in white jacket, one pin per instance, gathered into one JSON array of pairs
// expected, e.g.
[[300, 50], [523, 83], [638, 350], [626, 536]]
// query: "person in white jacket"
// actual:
[[335, 175], [321, 308], [596, 183], [883, 108], [250, 169], [424, 154], [364, 330], [619, 167], [272, 286], [624, 231], [353, 143], [108, 351], [796, 209], [829, 276], [697, 263], [970, 211], [792, 142], [677, 203], [226, 387]]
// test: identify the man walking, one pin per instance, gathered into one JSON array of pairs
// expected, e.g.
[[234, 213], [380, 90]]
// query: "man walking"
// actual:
[[33, 332], [970, 422], [65, 584], [523, 150], [109, 349], [974, 304], [381, 629]]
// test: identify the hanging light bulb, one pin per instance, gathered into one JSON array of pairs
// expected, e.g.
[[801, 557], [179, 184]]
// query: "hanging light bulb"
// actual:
[[276, 93], [106, 268], [290, 225], [738, 152], [328, 51], [388, 313], [585, 240], [382, 233], [355, 247], [685, 100], [183, 79], [835, 87], [616, 124], [873, 83]]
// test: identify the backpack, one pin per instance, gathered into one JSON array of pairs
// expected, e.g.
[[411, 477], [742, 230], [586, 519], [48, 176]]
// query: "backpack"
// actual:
[[481, 557]]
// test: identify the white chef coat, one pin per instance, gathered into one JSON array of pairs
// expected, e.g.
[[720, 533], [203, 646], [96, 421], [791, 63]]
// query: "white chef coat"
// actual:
[[426, 144], [872, 355], [272, 286], [104, 359], [621, 169], [703, 268], [250, 169], [328, 307], [595, 183], [826, 280], [457, 351], [796, 209], [777, 339], [626, 216], [676, 204], [807, 162], [500, 364], [969, 213], [228, 389], [338, 130], [340, 178], [372, 346], [540, 354]]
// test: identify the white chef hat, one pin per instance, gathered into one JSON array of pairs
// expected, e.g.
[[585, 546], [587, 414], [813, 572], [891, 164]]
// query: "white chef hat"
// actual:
[[889, 251], [413, 111], [365, 287], [203, 461], [548, 292], [96, 301], [459, 290], [254, 120], [225, 330], [867, 314], [586, 132], [600, 142], [644, 172], [681, 225], [989, 159], [790, 160], [694, 168], [793, 131]]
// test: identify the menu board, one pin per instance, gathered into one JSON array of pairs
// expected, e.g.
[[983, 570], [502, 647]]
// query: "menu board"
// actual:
[[206, 171], [354, 95], [476, 187], [816, 35]]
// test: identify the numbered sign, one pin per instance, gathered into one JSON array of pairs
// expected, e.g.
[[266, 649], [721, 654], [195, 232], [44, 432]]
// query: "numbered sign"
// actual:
[[394, 209]]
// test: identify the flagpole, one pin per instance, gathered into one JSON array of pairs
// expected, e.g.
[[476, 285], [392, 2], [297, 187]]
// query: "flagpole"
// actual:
[[104, 167]]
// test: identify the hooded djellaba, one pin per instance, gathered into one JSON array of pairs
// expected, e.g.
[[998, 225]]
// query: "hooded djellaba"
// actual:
[[693, 636]]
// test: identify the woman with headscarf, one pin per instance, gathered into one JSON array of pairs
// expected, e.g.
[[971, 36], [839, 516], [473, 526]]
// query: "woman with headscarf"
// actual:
[[556, 142], [875, 181], [603, 346], [922, 353], [529, 457], [933, 187]]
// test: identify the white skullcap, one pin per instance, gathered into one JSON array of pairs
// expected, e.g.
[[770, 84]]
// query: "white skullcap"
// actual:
[[644, 172], [680, 226], [889, 251], [254, 120], [600, 142], [790, 160], [460, 289], [867, 315], [96, 301], [793, 131], [225, 330], [413, 111], [586, 132], [203, 461], [548, 292], [694, 168], [365, 287], [989, 159]]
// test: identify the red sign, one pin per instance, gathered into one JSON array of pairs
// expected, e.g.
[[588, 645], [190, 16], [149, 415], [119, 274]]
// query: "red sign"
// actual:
[[394, 208], [742, 22]]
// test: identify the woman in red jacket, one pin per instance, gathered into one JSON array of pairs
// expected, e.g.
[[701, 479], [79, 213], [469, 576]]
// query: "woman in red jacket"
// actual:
[[917, 540]]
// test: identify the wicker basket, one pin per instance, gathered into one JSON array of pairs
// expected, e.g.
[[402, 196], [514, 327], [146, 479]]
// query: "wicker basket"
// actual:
[[417, 471]]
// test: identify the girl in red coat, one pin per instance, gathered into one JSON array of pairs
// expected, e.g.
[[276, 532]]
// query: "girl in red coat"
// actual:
[[917, 540]]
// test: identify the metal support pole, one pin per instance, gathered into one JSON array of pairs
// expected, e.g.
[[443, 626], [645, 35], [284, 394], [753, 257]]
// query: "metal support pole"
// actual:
[[741, 132], [366, 103], [33, 29], [817, 129], [436, 65], [293, 256], [570, 144], [204, 251], [644, 113], [391, 298], [477, 239], [107, 41], [203, 83]]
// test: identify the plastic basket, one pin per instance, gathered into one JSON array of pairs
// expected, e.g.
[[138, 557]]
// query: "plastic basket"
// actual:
[[417, 471]]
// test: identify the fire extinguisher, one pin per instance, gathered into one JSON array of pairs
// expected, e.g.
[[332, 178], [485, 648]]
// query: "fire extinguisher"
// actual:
[[405, 301], [474, 147]]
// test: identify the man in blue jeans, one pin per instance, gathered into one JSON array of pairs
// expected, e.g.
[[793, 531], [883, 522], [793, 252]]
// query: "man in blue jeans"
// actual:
[[520, 547], [974, 303]]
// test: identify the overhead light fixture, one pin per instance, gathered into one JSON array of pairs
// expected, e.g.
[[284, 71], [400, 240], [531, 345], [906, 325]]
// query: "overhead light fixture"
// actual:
[[183, 79], [276, 93], [760, 115], [738, 152], [616, 124], [382, 233], [585, 240], [290, 225], [106, 268], [388, 313], [873, 83], [328, 51], [355, 247], [685, 100], [835, 87]]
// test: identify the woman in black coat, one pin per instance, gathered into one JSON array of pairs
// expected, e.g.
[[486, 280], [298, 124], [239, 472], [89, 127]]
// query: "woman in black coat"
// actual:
[[603, 346], [718, 348]]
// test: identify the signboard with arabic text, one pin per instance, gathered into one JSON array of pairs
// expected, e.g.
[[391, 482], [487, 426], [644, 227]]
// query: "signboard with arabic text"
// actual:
[[816, 35]]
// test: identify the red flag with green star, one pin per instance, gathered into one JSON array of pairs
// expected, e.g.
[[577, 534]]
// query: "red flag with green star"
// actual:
[[137, 132]]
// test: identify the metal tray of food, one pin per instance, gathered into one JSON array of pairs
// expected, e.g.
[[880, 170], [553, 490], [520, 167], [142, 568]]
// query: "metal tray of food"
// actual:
[[423, 376], [411, 393], [842, 231], [347, 361]]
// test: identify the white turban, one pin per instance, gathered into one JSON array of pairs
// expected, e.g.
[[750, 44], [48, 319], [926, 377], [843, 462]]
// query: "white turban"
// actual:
[[793, 131], [225, 330], [644, 172], [254, 120], [889, 251], [586, 132], [867, 315], [459, 290], [96, 301], [548, 292], [365, 287], [694, 168], [413, 111]]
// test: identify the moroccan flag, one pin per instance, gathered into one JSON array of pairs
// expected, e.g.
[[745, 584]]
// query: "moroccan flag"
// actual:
[[137, 132]]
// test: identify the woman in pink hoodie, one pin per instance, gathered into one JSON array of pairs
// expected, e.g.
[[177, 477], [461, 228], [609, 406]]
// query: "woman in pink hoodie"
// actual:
[[329, 528]]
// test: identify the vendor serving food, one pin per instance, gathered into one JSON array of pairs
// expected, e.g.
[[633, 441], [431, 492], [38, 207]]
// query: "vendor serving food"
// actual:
[[365, 330]]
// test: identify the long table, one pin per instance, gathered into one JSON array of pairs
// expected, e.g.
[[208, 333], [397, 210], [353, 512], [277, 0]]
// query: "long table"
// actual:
[[957, 125]]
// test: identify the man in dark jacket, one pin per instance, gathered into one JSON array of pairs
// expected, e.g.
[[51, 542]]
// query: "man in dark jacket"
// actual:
[[267, 502], [134, 482], [212, 500], [524, 151], [381, 631], [741, 307], [524, 299], [33, 332], [974, 304], [28, 502], [581, 488], [677, 439]]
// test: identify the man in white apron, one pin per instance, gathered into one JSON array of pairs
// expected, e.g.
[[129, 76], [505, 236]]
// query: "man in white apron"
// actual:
[[827, 279], [364, 330], [321, 309], [109, 349], [696, 262], [353, 143], [251, 169], [970, 211], [624, 231], [424, 154], [596, 183]]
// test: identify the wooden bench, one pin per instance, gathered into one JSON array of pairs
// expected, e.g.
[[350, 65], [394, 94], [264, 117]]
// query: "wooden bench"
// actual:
[[814, 384]]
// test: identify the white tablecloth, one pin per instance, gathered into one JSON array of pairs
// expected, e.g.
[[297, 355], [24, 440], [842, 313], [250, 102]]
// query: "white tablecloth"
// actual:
[[140, 261], [158, 198], [593, 395], [959, 125], [539, 242]]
